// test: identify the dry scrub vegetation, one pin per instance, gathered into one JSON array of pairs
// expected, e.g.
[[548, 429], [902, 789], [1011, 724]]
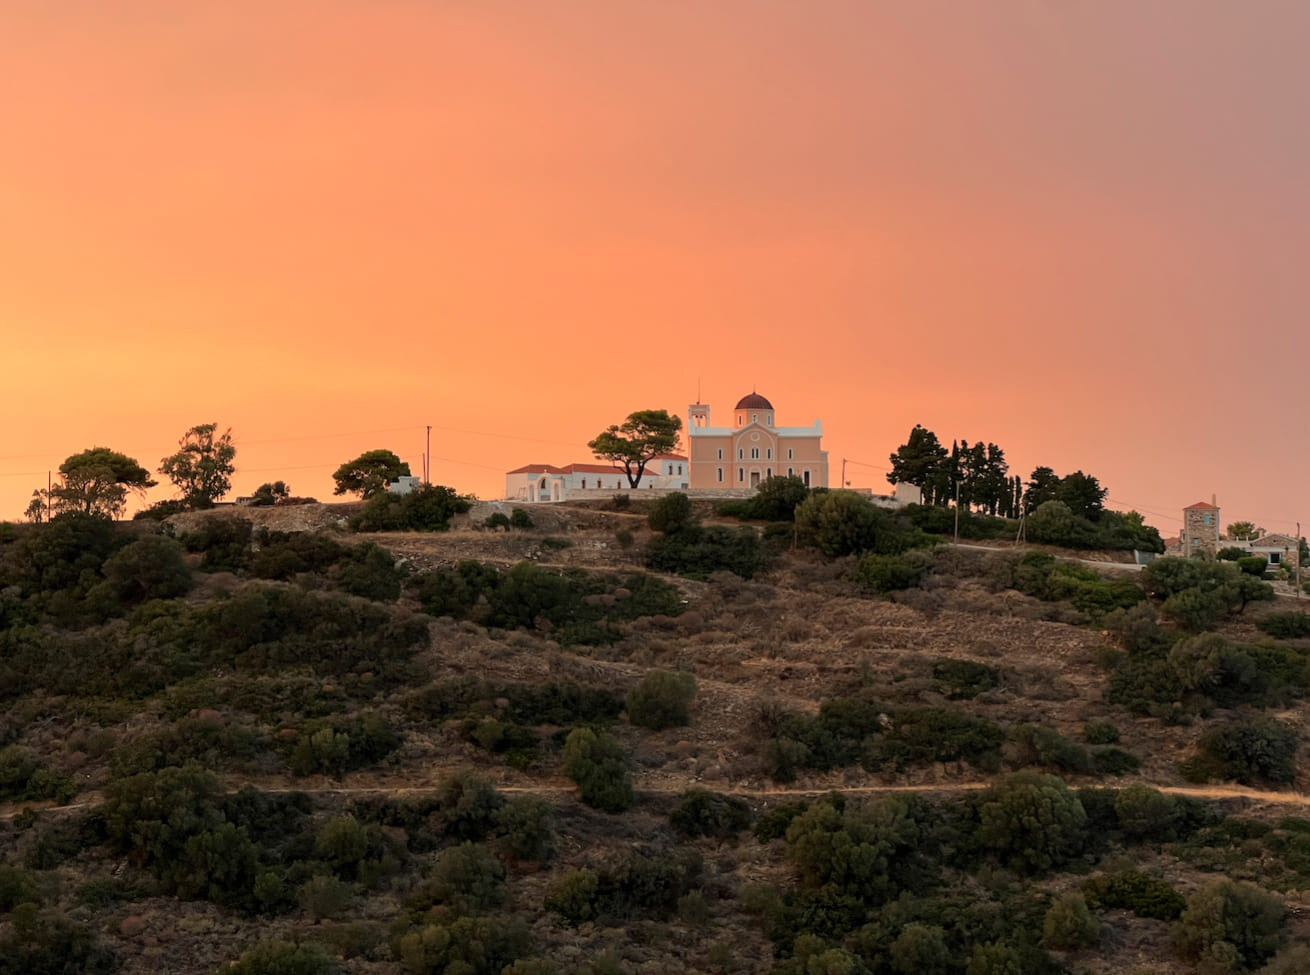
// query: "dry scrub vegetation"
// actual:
[[343, 743]]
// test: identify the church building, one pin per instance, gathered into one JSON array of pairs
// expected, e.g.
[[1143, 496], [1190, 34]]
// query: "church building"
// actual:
[[752, 448]]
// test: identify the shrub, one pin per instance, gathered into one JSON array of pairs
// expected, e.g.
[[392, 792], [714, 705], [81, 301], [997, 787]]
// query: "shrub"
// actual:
[[669, 514], [596, 763], [152, 567], [1035, 745], [697, 552], [1100, 733], [469, 805], [574, 895], [525, 829], [428, 509], [1230, 925], [17, 886], [1248, 752], [1286, 626], [889, 573], [843, 523], [464, 945], [1131, 890], [701, 812], [1115, 761], [1032, 821], [468, 877], [625, 538], [23, 778], [518, 518], [1254, 565], [48, 944], [497, 519], [965, 679], [921, 949], [283, 958], [1068, 924], [325, 896], [334, 746], [370, 572], [662, 699], [994, 958]]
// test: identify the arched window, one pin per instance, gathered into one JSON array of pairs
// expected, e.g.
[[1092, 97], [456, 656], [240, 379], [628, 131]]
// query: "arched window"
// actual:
[[584, 484]]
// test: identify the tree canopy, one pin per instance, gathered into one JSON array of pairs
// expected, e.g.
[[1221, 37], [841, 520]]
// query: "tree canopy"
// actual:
[[202, 468], [369, 473], [96, 482], [642, 437]]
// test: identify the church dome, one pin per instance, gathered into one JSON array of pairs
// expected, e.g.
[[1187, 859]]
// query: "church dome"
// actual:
[[753, 401]]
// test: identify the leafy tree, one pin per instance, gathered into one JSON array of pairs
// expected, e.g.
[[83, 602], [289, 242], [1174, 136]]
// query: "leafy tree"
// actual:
[[203, 466], [1083, 494], [1230, 926], [96, 482], [1043, 485], [918, 461], [1240, 531], [269, 494], [704, 813], [642, 437], [777, 498], [36, 509], [369, 473], [469, 877], [921, 949]]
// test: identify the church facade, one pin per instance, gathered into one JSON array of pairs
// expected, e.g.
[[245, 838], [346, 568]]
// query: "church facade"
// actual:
[[753, 448]]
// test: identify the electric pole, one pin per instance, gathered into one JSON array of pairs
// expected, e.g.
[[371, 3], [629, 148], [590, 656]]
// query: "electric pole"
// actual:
[[427, 461]]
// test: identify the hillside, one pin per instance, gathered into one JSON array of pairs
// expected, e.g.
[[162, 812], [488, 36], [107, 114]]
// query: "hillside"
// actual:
[[389, 751]]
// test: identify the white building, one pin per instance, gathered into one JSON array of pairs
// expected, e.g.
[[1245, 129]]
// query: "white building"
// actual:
[[546, 482]]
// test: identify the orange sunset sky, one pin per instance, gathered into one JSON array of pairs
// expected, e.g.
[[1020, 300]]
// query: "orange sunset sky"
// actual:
[[1076, 229]]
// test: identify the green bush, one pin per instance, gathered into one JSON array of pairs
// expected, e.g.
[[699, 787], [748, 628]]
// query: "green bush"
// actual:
[[22, 777], [662, 699], [574, 895], [334, 746], [1230, 926], [1286, 626], [428, 509], [1254, 565], [152, 567], [518, 518], [697, 552], [1247, 752], [282, 958], [701, 812], [1032, 821], [40, 943], [465, 945], [844, 523], [889, 573], [596, 763], [525, 829], [1100, 733], [963, 680], [1068, 924], [1115, 761], [469, 805], [17, 886], [669, 514], [1131, 890], [497, 519], [1035, 745], [468, 877]]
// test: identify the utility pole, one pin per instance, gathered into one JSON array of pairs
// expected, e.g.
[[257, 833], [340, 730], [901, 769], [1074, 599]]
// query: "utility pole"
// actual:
[[49, 485], [843, 472], [1298, 560], [427, 461]]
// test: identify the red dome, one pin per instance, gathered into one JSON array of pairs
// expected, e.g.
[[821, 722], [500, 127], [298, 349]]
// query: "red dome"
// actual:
[[753, 401]]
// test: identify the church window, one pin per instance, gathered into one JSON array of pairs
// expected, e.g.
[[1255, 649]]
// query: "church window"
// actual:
[[740, 453], [679, 468], [720, 475], [755, 453], [768, 472], [806, 478], [741, 473], [755, 418], [584, 484], [769, 454], [720, 453], [789, 453], [791, 472]]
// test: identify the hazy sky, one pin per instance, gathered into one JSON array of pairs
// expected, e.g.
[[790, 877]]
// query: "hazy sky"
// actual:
[[1076, 229]]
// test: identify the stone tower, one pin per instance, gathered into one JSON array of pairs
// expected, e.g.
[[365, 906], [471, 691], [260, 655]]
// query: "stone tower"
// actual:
[[1200, 528]]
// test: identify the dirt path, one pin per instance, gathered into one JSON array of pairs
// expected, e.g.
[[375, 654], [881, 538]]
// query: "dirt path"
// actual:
[[562, 788]]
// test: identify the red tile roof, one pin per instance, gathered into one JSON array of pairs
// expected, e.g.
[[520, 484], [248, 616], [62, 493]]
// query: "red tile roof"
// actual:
[[1202, 506]]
